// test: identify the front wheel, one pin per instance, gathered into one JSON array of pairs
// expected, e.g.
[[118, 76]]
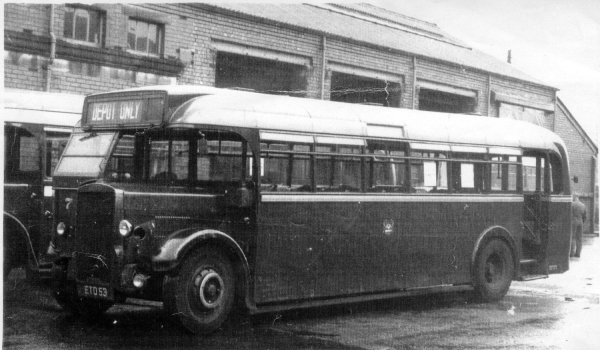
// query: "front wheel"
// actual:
[[202, 295], [493, 271]]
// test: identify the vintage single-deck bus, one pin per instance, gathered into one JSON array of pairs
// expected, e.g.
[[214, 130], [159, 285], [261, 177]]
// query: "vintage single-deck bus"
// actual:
[[209, 199], [37, 126]]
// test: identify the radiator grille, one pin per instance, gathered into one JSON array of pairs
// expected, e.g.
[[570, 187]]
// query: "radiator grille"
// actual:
[[95, 212], [95, 232]]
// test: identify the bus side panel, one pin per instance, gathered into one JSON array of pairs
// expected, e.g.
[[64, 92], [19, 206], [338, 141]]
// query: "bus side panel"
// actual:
[[418, 243], [311, 249], [559, 236], [437, 237]]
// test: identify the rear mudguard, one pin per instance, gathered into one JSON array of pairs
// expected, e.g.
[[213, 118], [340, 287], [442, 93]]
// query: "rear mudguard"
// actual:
[[498, 232], [23, 233]]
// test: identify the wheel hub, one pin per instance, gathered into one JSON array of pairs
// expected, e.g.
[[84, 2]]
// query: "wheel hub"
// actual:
[[494, 269], [209, 286]]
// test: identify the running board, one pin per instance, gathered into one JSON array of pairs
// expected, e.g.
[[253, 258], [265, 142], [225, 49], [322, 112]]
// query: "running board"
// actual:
[[525, 278], [531, 269], [527, 261], [357, 299]]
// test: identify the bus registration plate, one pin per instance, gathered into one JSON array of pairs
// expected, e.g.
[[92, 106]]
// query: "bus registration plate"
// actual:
[[96, 292]]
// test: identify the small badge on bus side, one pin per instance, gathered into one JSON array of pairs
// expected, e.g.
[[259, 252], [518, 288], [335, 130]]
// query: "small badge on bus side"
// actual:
[[388, 227]]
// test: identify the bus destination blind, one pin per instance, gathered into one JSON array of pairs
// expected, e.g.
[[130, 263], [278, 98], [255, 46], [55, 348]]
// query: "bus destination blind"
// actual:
[[115, 112]]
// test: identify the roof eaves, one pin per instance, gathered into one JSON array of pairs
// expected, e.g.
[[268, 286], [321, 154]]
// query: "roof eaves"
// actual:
[[227, 11], [385, 22]]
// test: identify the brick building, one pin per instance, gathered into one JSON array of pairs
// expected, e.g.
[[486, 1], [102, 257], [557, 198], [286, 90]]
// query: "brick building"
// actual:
[[583, 161], [354, 53]]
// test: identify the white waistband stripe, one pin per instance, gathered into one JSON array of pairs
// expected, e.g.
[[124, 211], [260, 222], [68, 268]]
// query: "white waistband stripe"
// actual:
[[388, 198]]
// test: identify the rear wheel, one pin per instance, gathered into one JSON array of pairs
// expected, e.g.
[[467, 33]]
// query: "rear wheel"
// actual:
[[202, 296], [493, 271], [14, 246]]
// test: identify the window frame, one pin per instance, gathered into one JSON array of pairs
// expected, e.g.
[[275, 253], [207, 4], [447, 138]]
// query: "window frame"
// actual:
[[88, 10], [160, 37], [48, 171]]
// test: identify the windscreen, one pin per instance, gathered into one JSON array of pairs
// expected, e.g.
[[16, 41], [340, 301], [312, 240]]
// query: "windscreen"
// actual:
[[84, 154]]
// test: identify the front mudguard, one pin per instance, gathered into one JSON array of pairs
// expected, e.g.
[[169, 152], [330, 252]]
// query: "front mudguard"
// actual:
[[176, 247]]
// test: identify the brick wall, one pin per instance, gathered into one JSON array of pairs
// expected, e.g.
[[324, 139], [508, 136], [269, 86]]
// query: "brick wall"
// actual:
[[457, 77], [33, 17], [197, 28], [580, 160], [379, 60], [192, 28]]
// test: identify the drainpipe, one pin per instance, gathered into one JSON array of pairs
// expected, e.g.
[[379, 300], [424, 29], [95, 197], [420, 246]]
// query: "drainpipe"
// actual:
[[489, 96], [323, 63], [414, 83], [593, 210], [555, 111], [52, 49]]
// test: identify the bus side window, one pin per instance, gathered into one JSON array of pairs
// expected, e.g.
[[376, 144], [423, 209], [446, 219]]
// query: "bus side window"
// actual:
[[535, 177], [340, 171], [275, 167], [55, 145], [387, 167], [468, 177], [529, 174], [504, 176], [430, 175], [556, 174], [324, 168], [300, 177], [347, 172], [282, 170]]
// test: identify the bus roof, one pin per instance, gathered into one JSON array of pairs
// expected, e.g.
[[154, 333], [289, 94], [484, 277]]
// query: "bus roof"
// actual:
[[234, 108], [35, 107]]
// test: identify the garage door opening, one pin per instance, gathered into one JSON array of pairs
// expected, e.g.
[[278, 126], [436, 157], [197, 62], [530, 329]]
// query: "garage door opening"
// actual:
[[354, 89], [439, 101], [260, 75]]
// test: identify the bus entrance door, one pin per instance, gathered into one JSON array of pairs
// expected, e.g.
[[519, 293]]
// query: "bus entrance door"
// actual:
[[535, 236]]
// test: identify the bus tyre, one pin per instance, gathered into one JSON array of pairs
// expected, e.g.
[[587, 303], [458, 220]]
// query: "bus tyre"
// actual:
[[493, 271], [66, 301], [202, 296], [32, 274]]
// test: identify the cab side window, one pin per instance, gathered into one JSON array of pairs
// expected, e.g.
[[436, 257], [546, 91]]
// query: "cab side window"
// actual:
[[22, 156], [55, 145]]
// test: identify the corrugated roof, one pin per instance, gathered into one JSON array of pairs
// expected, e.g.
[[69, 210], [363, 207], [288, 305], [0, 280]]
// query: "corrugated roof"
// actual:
[[380, 27]]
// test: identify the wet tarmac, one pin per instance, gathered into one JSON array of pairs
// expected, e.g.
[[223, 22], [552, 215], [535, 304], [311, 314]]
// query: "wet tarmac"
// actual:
[[561, 312]]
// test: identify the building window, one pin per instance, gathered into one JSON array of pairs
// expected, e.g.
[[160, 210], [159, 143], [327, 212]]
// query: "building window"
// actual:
[[84, 25], [144, 37]]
